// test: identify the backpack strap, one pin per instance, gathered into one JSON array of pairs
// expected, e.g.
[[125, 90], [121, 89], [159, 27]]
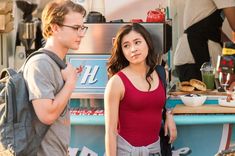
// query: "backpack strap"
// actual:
[[7, 71], [162, 75], [52, 55]]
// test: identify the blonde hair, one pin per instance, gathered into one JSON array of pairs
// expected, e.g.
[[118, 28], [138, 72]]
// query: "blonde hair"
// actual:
[[54, 13]]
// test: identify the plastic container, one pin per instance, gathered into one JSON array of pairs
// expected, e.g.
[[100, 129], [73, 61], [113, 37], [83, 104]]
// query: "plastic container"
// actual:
[[208, 75]]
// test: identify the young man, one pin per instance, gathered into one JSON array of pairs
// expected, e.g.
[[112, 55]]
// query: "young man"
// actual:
[[49, 87]]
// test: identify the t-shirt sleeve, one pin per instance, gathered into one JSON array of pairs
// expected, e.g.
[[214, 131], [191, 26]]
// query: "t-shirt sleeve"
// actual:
[[224, 3], [38, 79]]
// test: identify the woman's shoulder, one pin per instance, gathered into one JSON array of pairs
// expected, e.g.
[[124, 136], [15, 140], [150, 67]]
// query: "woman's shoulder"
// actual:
[[114, 80], [119, 78], [114, 86]]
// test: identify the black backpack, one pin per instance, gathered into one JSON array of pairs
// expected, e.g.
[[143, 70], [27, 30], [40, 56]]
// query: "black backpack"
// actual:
[[21, 132], [166, 149]]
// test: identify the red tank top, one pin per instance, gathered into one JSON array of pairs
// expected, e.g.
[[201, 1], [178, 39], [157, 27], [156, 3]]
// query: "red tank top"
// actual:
[[140, 113]]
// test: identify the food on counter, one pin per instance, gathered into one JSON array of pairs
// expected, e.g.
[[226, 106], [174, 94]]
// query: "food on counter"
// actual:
[[185, 83], [193, 95], [222, 101], [198, 84], [185, 86], [229, 97], [189, 86]]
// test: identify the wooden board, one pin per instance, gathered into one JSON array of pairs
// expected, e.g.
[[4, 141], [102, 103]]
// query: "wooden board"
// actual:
[[174, 90], [204, 109], [208, 92]]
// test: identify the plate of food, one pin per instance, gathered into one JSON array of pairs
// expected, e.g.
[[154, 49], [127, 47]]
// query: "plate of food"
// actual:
[[224, 101]]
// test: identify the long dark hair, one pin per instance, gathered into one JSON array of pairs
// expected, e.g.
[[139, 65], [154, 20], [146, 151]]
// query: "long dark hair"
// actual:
[[117, 61]]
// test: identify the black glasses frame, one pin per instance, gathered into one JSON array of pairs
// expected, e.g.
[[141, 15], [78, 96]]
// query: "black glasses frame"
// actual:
[[78, 28]]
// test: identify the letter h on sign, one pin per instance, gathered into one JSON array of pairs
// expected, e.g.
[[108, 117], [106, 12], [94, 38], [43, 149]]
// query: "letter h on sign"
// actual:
[[94, 76], [89, 74]]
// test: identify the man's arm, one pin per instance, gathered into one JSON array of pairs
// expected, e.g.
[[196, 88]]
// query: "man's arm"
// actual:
[[230, 15], [49, 110]]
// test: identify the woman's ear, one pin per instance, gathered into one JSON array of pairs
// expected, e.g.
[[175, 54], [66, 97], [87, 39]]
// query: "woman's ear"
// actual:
[[113, 40]]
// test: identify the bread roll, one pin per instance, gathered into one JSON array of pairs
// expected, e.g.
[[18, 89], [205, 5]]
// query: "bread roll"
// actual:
[[185, 86], [198, 84], [185, 83]]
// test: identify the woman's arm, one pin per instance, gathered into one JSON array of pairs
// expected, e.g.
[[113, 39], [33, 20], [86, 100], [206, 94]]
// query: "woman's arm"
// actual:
[[170, 127], [113, 94]]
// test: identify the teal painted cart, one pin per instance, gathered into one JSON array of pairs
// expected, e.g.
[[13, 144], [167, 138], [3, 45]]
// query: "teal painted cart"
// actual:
[[198, 135]]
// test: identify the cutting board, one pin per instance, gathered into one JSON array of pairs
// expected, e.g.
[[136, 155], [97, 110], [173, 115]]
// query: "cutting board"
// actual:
[[208, 92], [204, 109], [174, 90]]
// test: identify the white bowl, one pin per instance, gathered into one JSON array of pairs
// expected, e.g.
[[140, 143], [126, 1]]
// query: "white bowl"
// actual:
[[193, 100]]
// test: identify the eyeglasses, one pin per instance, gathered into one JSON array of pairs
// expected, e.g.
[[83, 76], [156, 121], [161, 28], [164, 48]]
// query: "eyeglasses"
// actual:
[[78, 28]]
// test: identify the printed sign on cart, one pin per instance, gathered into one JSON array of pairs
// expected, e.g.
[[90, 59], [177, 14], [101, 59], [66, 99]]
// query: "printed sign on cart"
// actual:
[[93, 77]]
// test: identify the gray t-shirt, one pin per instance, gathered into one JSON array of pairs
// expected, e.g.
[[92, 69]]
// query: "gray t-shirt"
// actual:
[[44, 81]]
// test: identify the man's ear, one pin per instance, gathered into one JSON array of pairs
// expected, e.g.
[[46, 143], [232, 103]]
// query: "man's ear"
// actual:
[[54, 28]]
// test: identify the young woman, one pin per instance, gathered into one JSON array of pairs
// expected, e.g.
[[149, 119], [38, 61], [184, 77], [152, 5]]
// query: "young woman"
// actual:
[[134, 96]]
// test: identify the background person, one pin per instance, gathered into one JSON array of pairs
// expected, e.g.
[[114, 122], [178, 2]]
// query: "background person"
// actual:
[[49, 87], [201, 41], [134, 96]]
